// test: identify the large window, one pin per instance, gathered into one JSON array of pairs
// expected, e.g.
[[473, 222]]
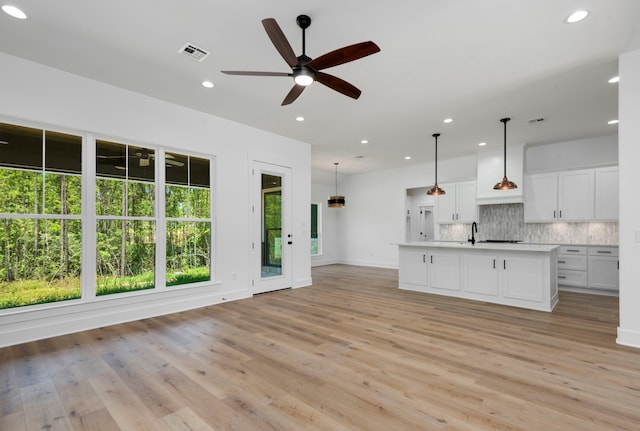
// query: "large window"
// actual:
[[188, 218], [40, 216], [151, 213], [125, 214]]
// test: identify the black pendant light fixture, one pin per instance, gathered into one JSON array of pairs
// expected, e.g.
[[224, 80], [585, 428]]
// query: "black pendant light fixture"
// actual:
[[505, 184], [435, 190], [336, 201]]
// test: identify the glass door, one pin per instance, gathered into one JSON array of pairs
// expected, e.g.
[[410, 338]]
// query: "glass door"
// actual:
[[271, 239]]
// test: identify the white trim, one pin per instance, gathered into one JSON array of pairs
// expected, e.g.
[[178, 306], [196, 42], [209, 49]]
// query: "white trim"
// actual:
[[628, 337]]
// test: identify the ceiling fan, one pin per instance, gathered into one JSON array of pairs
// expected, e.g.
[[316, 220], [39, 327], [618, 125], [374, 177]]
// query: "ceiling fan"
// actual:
[[144, 158], [306, 70]]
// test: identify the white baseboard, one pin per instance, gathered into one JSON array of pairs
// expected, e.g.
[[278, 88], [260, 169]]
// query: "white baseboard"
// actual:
[[628, 337], [68, 317]]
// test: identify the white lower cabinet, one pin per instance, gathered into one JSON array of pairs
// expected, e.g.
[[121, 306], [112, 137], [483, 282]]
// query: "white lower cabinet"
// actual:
[[603, 268], [444, 270], [480, 275], [521, 279], [413, 267], [588, 268]]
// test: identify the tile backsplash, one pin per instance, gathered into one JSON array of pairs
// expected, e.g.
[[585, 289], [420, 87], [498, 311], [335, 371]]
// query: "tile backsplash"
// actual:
[[506, 221]]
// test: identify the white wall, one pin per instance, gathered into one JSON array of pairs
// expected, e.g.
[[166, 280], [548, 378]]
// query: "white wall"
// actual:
[[46, 96], [583, 153], [374, 220], [629, 138]]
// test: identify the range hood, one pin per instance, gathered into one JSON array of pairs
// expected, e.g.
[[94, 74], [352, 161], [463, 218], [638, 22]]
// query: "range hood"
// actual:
[[491, 169]]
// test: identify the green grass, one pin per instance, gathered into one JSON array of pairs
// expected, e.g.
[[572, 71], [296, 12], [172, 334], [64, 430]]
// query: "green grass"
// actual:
[[30, 292]]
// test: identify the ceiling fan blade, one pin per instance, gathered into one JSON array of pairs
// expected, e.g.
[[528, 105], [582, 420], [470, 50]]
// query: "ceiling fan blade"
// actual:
[[340, 85], [249, 73], [344, 55], [280, 41], [293, 94]]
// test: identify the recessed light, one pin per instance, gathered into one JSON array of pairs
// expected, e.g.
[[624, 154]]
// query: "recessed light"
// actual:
[[613, 122], [482, 144], [300, 118], [207, 84], [577, 16], [448, 120], [614, 80], [407, 157], [364, 141], [14, 12]]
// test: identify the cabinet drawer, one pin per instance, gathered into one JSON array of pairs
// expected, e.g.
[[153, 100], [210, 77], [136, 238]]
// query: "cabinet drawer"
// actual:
[[572, 262], [603, 251], [572, 278], [572, 249]]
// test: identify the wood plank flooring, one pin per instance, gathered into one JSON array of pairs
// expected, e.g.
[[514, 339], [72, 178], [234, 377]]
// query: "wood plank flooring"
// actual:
[[352, 352]]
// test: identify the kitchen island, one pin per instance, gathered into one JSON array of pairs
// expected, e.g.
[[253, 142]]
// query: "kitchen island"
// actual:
[[519, 275]]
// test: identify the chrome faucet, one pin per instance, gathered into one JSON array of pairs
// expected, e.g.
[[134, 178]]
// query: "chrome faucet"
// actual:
[[474, 227]]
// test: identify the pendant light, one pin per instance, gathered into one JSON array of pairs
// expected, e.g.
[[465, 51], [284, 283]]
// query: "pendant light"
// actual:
[[336, 201], [435, 190], [505, 184]]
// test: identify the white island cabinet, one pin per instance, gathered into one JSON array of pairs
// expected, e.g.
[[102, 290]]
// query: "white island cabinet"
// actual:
[[519, 275]]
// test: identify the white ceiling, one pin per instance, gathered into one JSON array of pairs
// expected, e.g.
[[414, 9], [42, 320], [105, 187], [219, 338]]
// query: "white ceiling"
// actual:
[[475, 61]]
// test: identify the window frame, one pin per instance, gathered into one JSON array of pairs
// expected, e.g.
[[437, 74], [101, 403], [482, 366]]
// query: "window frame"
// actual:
[[89, 219]]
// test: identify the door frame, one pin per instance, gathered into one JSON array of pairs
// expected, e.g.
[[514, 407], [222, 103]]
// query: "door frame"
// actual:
[[260, 284]]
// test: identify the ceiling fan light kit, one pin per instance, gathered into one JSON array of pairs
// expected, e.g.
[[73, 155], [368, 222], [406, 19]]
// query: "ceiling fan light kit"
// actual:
[[505, 184], [306, 70]]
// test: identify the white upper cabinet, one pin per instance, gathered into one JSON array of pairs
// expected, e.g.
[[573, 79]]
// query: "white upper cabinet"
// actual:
[[562, 196], [458, 205], [607, 201], [541, 197]]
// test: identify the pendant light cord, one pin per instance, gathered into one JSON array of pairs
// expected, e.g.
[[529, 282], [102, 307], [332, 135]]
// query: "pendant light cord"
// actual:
[[336, 163], [435, 135], [504, 121]]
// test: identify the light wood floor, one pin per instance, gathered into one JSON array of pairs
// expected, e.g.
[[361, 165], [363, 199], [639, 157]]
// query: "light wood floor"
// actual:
[[353, 352]]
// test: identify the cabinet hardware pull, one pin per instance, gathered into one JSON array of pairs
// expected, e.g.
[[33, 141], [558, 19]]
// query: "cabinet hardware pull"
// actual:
[[562, 261], [494, 264], [618, 264], [604, 251], [554, 213], [573, 251], [562, 277], [453, 216], [504, 264], [424, 258], [560, 213], [431, 258]]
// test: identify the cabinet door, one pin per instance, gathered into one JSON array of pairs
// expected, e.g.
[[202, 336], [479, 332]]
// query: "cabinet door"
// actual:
[[540, 197], [603, 273], [413, 266], [446, 205], [575, 196], [522, 278], [607, 201], [444, 270], [480, 274], [466, 202]]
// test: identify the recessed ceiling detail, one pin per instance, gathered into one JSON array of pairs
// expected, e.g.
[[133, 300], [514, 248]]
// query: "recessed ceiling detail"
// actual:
[[192, 51]]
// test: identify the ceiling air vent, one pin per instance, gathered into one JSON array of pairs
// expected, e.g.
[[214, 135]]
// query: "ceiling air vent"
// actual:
[[192, 51]]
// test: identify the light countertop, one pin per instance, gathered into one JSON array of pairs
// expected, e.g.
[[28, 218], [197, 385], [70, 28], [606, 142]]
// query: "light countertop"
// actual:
[[482, 246]]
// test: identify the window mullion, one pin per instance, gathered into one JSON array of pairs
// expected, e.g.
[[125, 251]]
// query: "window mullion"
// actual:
[[89, 237], [161, 223]]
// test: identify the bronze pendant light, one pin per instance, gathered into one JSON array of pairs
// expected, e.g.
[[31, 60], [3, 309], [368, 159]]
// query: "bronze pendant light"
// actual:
[[435, 190], [336, 201], [505, 184]]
